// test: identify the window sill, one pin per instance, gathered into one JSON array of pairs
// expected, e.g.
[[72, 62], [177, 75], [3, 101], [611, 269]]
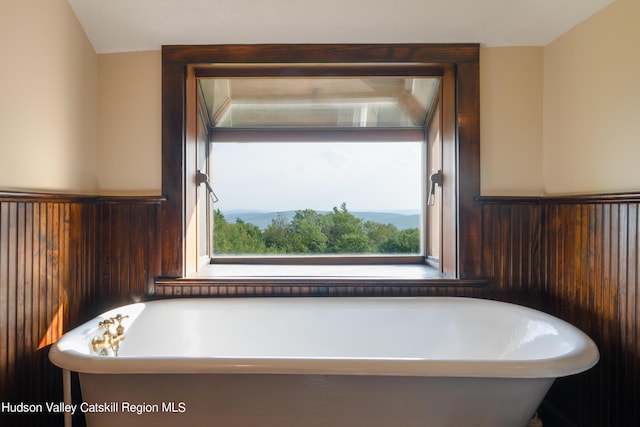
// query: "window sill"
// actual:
[[361, 275]]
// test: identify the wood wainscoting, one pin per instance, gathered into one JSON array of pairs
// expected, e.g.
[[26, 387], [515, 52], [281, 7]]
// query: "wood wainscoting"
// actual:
[[65, 258], [586, 271], [46, 273], [589, 277]]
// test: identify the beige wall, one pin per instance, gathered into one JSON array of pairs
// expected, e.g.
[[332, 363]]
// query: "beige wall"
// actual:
[[129, 129], [130, 125], [563, 119], [557, 119], [511, 120], [48, 98], [592, 104], [554, 119]]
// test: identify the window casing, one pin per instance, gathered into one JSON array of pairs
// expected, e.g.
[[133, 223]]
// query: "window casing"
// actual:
[[295, 123], [320, 108], [184, 135]]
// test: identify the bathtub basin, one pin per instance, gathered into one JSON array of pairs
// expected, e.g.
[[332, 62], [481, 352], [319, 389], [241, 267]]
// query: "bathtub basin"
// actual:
[[326, 362]]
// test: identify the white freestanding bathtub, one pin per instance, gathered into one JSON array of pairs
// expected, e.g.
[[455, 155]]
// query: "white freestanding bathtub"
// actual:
[[330, 362]]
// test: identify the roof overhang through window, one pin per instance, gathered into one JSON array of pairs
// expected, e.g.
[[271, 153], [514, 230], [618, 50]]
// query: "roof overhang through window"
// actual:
[[318, 102]]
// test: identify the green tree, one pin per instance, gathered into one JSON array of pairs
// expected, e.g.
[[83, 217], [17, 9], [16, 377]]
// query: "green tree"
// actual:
[[341, 223], [276, 236], [247, 238], [306, 232], [221, 243], [238, 238], [402, 242], [353, 243], [379, 233], [311, 232]]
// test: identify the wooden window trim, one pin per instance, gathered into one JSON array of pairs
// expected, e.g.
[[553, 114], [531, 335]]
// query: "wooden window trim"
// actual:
[[461, 253]]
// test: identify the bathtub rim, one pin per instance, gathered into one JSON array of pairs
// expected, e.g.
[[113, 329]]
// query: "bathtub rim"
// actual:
[[580, 359]]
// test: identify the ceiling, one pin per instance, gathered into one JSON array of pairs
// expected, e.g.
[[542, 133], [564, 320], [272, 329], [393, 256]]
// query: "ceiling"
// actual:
[[134, 25]]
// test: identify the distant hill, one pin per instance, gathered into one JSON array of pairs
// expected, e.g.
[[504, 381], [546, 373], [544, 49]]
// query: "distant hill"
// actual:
[[263, 219]]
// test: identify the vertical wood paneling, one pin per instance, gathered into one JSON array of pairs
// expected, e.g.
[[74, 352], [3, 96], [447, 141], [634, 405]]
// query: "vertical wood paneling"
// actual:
[[584, 268], [577, 259], [127, 254], [590, 278], [62, 259], [511, 251], [40, 254], [4, 301]]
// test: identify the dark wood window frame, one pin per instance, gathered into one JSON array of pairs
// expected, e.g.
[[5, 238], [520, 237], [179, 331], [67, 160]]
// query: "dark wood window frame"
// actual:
[[459, 63]]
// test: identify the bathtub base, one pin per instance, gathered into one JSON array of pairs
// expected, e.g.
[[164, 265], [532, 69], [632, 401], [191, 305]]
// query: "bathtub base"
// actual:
[[264, 400]]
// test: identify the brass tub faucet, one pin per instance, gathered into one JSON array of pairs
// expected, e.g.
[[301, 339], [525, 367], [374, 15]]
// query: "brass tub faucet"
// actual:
[[109, 339]]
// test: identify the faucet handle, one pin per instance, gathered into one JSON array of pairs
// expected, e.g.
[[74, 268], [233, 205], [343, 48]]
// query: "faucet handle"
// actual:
[[118, 318], [107, 323]]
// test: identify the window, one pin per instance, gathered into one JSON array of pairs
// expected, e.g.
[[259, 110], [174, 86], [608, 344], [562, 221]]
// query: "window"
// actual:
[[317, 198], [315, 146], [216, 98]]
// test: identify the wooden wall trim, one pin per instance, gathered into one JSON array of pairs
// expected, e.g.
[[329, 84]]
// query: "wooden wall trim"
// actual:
[[565, 199], [469, 215], [17, 196], [464, 57], [327, 282], [185, 287], [20, 196], [319, 53], [508, 200], [131, 200], [592, 198], [278, 288]]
